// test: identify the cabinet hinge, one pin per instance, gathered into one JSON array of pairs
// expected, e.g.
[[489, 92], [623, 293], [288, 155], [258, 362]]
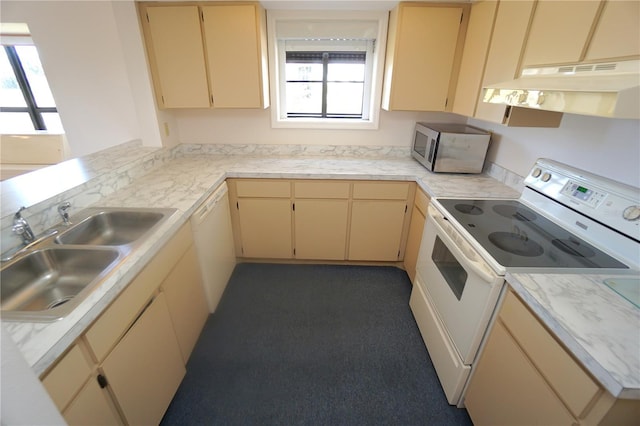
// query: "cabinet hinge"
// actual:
[[102, 381]]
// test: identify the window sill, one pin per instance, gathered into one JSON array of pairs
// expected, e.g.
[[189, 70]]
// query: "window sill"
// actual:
[[324, 123]]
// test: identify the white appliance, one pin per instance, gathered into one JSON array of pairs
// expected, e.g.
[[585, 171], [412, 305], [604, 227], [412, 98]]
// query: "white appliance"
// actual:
[[213, 236], [565, 220]]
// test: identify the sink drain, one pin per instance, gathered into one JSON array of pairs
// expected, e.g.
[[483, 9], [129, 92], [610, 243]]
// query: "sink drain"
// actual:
[[59, 302]]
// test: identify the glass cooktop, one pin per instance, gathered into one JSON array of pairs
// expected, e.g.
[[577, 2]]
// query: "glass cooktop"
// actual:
[[516, 236]]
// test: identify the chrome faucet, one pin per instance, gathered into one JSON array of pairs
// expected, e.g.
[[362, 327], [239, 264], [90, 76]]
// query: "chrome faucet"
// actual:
[[63, 209], [22, 228]]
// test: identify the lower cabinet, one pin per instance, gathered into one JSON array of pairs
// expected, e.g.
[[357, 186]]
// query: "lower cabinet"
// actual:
[[145, 369], [320, 219], [129, 363], [416, 228], [524, 377]]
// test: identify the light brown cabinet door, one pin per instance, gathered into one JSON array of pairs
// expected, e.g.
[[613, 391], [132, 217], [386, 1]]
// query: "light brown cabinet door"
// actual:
[[560, 31], [92, 406], [175, 48], [265, 226], [421, 50], [376, 229], [474, 56], [506, 389], [321, 229], [145, 368], [413, 242], [186, 301], [617, 33], [234, 55]]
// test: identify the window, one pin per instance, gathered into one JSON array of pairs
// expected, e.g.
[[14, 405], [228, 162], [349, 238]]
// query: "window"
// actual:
[[326, 70], [26, 102]]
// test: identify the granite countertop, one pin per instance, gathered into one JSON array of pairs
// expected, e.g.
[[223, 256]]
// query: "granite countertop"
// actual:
[[186, 180], [598, 326]]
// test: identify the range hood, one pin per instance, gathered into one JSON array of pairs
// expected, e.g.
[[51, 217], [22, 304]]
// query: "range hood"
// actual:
[[606, 89]]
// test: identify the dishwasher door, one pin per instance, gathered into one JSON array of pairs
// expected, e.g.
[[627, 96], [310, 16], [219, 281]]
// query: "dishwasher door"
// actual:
[[213, 236]]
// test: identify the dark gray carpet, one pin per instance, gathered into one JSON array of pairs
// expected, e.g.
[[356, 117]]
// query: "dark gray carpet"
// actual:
[[312, 345]]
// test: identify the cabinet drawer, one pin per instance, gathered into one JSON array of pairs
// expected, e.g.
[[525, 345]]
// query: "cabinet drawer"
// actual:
[[381, 190], [263, 188], [422, 201], [113, 323], [321, 190], [562, 372], [67, 377]]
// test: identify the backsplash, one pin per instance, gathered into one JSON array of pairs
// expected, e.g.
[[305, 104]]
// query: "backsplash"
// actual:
[[356, 151], [503, 175]]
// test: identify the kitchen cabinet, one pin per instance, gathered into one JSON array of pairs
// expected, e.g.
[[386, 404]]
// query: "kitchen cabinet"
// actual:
[[378, 220], [617, 33], [205, 55], [263, 218], [560, 31], [186, 301], [145, 369], [416, 228], [503, 64], [174, 49], [236, 53], [423, 51], [474, 56], [73, 388], [131, 359], [321, 219], [521, 354]]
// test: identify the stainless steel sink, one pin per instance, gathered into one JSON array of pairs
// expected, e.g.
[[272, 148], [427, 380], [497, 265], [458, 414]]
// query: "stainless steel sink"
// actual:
[[43, 284], [51, 277], [112, 227]]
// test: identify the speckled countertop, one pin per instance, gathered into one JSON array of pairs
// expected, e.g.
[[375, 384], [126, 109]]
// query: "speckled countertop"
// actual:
[[598, 326], [183, 181]]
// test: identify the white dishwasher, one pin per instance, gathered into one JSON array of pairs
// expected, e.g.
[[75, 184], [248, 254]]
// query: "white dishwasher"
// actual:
[[213, 236]]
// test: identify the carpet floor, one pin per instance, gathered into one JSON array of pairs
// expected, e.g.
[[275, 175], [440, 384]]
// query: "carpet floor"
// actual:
[[312, 345]]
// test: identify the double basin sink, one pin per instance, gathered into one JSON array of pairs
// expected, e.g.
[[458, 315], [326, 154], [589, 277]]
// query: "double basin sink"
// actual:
[[53, 276]]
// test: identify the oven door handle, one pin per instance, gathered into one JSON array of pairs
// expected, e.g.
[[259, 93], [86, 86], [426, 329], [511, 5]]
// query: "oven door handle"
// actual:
[[462, 251]]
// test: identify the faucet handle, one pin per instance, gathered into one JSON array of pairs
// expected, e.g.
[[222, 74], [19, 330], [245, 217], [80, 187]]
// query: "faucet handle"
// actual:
[[18, 214], [63, 209]]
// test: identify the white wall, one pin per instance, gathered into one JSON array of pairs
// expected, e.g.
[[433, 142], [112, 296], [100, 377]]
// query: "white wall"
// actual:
[[607, 147], [88, 69]]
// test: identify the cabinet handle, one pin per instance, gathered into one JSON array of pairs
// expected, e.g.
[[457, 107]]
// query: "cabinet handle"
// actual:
[[102, 381]]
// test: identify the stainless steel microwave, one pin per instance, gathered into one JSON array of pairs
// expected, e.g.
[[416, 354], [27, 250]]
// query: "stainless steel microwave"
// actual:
[[450, 148]]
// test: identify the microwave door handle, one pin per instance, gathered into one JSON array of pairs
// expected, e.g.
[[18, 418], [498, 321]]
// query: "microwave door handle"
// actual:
[[432, 148], [459, 253]]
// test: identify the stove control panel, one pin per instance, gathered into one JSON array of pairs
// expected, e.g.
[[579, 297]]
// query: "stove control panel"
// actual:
[[611, 203], [589, 196]]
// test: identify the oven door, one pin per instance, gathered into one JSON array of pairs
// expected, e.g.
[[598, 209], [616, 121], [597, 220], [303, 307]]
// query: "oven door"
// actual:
[[463, 289]]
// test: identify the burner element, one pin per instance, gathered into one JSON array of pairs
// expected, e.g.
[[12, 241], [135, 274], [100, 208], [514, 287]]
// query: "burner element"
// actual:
[[516, 244], [573, 247], [469, 209], [514, 212]]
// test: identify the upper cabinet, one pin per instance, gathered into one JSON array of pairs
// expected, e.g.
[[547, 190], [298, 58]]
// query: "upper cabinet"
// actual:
[[492, 53], [423, 50], [208, 55], [617, 34], [560, 31]]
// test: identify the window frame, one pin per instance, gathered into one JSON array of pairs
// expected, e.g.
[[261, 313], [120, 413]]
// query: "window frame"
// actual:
[[35, 112], [276, 51]]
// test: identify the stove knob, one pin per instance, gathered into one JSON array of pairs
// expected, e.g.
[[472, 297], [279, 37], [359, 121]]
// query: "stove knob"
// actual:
[[546, 176], [631, 213], [536, 172]]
